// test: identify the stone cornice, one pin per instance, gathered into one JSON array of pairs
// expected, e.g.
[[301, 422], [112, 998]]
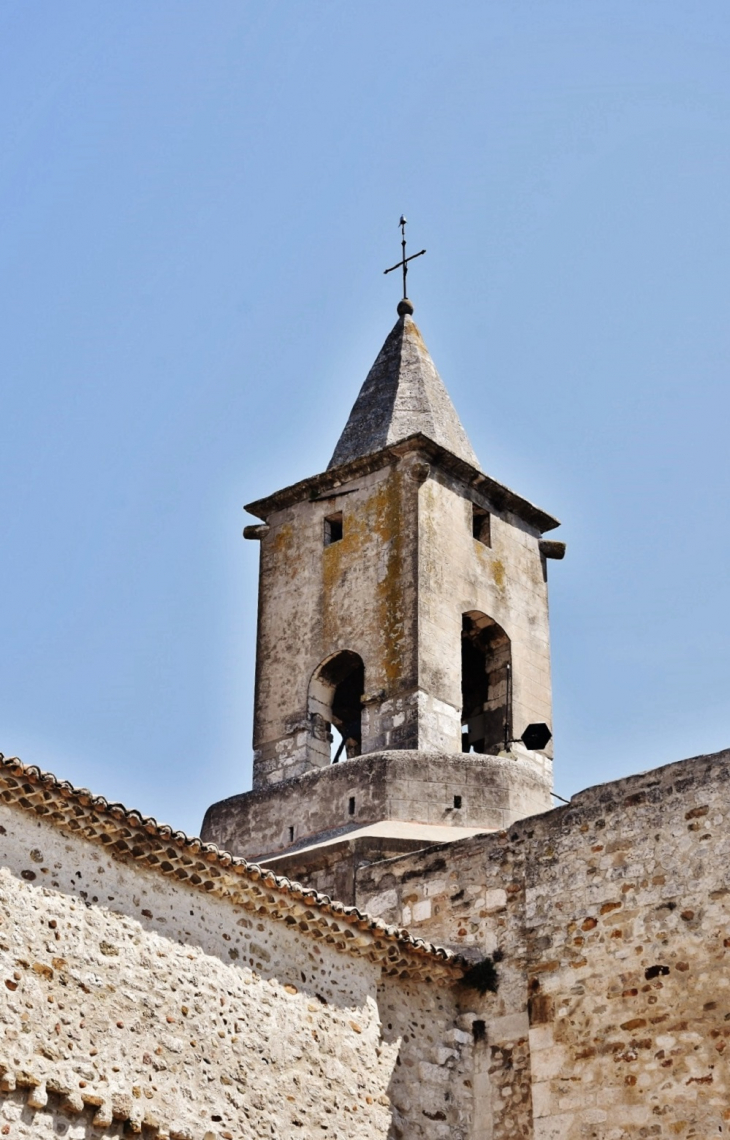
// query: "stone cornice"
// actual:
[[501, 497]]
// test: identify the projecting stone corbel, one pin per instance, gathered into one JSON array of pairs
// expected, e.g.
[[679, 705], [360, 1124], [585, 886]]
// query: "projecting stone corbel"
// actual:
[[549, 548], [256, 531], [421, 471]]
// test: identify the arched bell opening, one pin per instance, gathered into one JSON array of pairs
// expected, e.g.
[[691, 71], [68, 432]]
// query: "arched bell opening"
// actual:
[[486, 684], [335, 702]]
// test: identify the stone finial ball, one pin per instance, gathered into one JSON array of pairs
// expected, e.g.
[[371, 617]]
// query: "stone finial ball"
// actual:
[[405, 307]]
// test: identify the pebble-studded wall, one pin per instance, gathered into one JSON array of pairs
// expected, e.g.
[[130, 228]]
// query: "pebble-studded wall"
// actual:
[[130, 1001]]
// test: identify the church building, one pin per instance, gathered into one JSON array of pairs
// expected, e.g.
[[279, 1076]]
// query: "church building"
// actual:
[[395, 935]]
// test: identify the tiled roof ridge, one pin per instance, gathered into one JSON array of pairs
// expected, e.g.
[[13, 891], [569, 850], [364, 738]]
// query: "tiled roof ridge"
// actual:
[[393, 947]]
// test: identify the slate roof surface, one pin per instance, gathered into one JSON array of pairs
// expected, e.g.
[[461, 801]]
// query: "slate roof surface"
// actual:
[[403, 395]]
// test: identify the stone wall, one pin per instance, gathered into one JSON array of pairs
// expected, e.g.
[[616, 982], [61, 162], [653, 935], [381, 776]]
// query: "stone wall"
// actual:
[[131, 1002], [142, 1004], [357, 594], [393, 589], [612, 1014], [505, 580]]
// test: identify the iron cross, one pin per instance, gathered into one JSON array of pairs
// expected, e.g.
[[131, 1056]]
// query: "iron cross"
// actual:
[[403, 263]]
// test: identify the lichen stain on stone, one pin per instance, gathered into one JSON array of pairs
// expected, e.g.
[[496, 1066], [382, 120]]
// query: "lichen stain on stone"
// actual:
[[498, 573], [282, 542], [371, 534], [416, 335], [336, 560], [386, 522]]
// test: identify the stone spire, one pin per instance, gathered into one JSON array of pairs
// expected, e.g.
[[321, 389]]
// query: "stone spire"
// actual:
[[403, 394]]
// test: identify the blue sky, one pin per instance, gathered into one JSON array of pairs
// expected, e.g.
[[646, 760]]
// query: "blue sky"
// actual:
[[197, 202]]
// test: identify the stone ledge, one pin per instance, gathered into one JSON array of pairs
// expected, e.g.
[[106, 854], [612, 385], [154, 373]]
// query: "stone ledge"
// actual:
[[502, 497], [408, 786]]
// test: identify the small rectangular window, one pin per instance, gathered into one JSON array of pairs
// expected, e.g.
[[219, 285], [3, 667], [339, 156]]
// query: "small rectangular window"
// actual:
[[481, 525], [291, 834], [333, 528], [457, 802], [351, 806]]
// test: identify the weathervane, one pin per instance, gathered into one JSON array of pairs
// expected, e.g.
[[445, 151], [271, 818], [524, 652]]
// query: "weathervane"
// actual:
[[404, 306]]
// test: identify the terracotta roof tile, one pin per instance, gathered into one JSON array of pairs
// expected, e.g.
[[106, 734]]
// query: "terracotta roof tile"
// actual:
[[127, 832]]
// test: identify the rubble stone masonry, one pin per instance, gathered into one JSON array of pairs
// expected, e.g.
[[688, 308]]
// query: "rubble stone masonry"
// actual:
[[132, 1003], [612, 1015]]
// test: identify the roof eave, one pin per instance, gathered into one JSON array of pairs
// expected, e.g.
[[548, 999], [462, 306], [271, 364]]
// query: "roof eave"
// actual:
[[316, 485], [129, 835]]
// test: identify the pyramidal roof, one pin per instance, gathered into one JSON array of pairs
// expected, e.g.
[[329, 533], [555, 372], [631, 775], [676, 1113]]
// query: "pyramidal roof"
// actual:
[[403, 394]]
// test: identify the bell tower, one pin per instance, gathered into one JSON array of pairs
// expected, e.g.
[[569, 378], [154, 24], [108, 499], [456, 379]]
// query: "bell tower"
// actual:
[[403, 642]]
